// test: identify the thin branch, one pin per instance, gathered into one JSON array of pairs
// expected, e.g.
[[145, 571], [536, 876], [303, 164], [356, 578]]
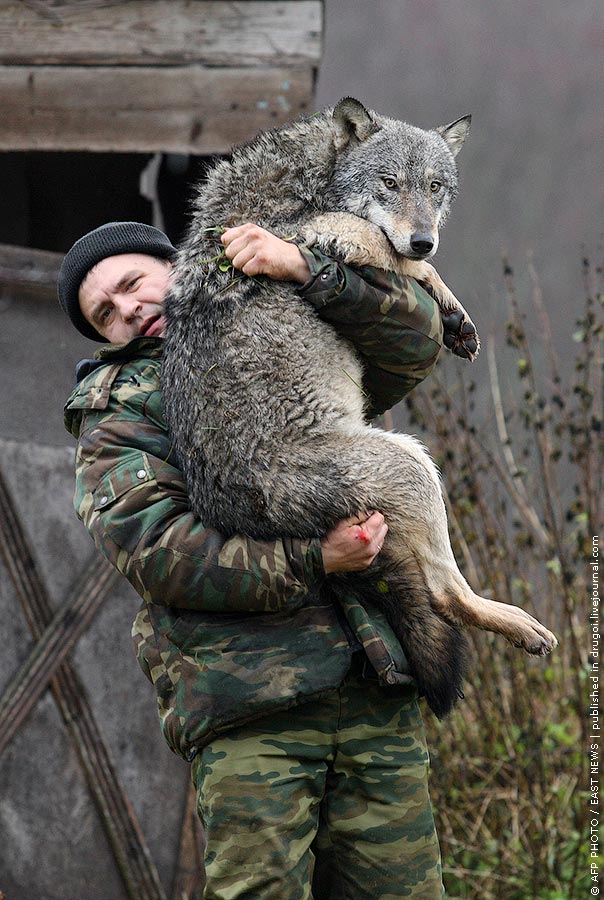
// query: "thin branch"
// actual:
[[504, 439]]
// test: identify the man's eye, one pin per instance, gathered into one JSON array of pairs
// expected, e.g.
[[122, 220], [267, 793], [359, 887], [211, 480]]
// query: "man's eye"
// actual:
[[132, 282], [105, 314]]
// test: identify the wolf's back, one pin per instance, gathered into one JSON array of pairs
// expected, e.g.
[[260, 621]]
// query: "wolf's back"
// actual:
[[251, 376], [279, 178]]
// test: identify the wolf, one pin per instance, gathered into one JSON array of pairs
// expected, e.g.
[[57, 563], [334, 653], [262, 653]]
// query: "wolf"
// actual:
[[264, 400]]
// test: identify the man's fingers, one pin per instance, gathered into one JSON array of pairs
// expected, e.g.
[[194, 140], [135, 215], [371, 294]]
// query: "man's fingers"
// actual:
[[241, 260], [239, 247], [380, 535], [372, 523], [236, 239], [256, 251], [246, 247], [243, 232], [353, 543], [372, 533]]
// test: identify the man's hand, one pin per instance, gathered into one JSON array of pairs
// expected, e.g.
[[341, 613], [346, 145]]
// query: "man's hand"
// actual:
[[354, 543], [255, 251]]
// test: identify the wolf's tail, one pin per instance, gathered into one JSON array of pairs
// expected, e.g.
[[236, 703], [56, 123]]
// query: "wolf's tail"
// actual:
[[437, 652]]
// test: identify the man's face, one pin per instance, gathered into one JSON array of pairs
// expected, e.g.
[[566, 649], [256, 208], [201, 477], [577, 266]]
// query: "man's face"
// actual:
[[123, 296]]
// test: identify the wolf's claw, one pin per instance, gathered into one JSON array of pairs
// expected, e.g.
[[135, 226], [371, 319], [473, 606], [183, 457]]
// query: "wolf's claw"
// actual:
[[540, 643], [460, 335]]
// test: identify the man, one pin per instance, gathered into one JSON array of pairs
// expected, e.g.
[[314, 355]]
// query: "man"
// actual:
[[296, 709]]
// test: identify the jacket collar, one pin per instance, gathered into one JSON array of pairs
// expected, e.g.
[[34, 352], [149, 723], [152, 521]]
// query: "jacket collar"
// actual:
[[139, 346], [111, 353]]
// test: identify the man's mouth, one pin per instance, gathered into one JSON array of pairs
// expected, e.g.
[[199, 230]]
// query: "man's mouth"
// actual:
[[152, 326]]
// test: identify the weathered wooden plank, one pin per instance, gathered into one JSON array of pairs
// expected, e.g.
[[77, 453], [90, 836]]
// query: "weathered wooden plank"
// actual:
[[183, 110], [161, 32], [123, 830], [55, 643], [30, 272]]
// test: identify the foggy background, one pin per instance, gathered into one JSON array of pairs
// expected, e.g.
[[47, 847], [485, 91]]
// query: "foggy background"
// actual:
[[531, 73]]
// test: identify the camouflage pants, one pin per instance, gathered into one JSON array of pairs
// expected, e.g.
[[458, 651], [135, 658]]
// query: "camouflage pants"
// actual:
[[329, 797]]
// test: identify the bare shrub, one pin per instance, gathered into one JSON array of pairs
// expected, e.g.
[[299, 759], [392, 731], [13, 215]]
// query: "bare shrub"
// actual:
[[525, 498]]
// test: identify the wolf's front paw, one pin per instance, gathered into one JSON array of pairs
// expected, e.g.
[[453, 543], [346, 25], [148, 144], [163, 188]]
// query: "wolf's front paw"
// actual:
[[460, 335]]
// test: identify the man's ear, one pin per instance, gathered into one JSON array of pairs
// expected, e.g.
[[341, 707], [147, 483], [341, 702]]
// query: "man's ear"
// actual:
[[352, 122], [455, 133]]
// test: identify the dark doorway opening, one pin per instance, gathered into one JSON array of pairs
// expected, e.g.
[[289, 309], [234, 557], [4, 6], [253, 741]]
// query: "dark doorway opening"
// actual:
[[51, 199]]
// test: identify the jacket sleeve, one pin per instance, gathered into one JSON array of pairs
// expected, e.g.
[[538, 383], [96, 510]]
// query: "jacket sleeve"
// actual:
[[392, 322], [133, 501]]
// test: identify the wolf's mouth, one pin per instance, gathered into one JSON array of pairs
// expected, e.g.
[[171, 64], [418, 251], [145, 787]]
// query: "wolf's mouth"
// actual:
[[417, 256], [388, 238], [408, 254]]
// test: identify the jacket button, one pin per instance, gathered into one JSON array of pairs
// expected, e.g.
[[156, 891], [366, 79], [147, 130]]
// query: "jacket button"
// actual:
[[141, 473], [104, 500]]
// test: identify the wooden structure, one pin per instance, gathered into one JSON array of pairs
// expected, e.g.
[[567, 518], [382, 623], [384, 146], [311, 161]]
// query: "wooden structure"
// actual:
[[186, 76], [140, 76]]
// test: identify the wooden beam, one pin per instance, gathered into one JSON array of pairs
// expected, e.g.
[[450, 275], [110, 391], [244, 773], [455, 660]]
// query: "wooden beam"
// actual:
[[177, 109], [160, 32], [55, 643], [189, 877], [29, 272]]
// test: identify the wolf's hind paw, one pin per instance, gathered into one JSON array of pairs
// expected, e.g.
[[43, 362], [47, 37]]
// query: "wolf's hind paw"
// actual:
[[460, 335], [536, 639]]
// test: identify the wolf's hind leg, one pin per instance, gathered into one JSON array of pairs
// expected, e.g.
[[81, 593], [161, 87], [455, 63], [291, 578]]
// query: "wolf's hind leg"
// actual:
[[426, 537], [354, 470], [513, 623]]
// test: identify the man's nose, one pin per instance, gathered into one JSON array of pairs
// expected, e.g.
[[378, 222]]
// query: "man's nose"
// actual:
[[129, 308]]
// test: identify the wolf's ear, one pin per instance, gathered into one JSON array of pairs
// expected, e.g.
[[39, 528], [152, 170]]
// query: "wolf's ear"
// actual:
[[352, 122], [455, 133]]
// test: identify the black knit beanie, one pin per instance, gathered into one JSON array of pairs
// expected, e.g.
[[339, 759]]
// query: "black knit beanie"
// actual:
[[111, 239]]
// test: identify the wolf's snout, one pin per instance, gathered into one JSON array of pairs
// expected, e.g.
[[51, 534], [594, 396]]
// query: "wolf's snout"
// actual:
[[421, 243]]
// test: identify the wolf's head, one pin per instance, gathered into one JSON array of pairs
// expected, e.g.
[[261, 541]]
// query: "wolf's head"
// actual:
[[399, 177]]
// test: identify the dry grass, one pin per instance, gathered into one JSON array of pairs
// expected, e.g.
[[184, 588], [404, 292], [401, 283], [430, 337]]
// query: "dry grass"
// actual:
[[525, 497]]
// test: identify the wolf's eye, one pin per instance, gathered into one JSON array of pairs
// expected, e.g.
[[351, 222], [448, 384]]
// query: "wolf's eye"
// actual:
[[435, 186], [389, 182]]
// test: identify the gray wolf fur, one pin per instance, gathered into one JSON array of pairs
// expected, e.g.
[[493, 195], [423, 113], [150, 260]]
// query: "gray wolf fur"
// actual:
[[263, 399]]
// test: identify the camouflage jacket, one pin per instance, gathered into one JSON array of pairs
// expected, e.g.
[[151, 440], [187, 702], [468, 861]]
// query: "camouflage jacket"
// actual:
[[233, 628]]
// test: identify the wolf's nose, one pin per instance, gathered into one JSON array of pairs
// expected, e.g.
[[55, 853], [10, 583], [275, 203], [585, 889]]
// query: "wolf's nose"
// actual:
[[421, 243]]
